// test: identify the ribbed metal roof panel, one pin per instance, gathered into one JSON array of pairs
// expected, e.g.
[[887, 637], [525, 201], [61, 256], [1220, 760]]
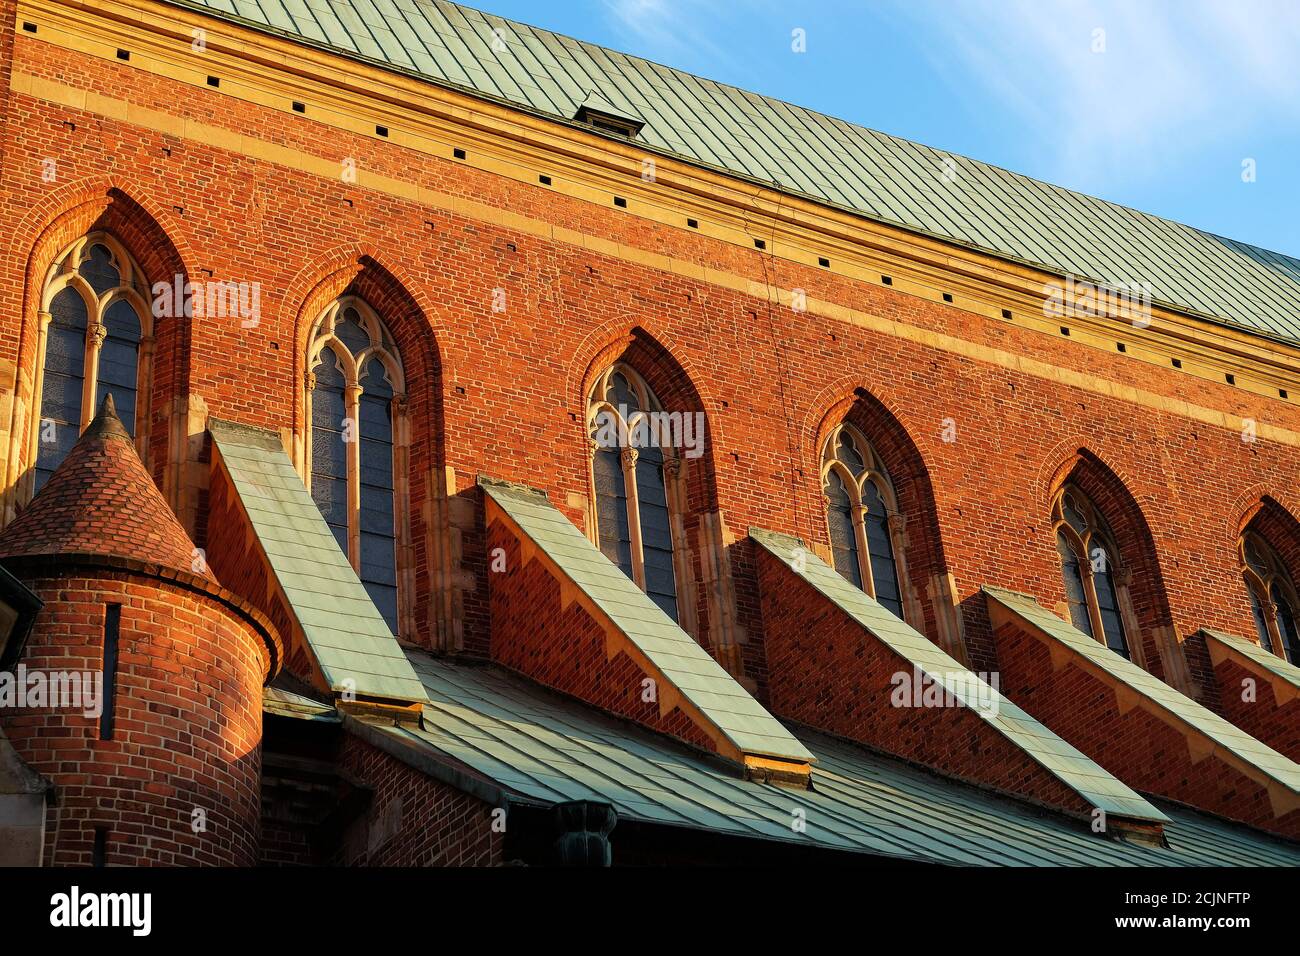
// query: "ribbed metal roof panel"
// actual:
[[804, 152], [544, 747]]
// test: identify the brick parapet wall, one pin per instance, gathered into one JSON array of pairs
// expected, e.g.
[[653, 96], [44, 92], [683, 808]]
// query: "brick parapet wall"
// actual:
[[564, 648], [1149, 753], [828, 671]]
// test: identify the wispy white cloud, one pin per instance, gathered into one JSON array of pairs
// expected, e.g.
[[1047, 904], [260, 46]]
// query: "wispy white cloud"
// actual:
[[677, 32], [1114, 105]]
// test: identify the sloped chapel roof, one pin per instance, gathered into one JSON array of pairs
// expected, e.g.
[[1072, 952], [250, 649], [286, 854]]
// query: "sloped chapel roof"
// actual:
[[802, 152]]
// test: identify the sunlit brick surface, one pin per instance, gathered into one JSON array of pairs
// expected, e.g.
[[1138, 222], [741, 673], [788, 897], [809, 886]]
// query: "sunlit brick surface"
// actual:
[[1146, 752], [414, 820], [187, 729]]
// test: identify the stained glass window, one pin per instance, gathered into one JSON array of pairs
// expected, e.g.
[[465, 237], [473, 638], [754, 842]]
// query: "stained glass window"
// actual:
[[630, 465], [859, 506], [357, 384]]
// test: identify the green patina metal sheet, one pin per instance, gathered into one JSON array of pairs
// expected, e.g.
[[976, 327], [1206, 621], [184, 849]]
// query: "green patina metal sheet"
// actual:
[[687, 666], [1265, 659], [1073, 768], [1199, 718], [804, 152], [543, 747], [286, 703], [345, 633]]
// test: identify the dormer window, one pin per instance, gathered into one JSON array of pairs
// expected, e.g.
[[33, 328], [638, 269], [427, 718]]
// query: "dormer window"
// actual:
[[598, 113]]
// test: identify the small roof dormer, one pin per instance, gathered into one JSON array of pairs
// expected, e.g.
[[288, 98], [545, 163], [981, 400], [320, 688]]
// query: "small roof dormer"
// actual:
[[598, 112]]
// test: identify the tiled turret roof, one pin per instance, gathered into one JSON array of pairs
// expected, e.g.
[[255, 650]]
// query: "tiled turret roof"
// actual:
[[101, 501]]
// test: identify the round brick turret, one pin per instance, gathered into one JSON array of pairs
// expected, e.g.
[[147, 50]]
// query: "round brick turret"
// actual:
[[162, 766]]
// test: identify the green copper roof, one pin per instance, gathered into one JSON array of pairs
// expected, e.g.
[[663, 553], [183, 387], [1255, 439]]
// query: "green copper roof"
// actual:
[[1265, 659], [684, 663], [345, 633], [540, 748], [802, 152], [286, 703], [1199, 718], [1074, 769]]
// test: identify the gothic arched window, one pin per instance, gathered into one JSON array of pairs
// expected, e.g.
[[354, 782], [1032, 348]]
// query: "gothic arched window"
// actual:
[[1273, 599], [96, 337], [1094, 580], [355, 407], [636, 484], [862, 514]]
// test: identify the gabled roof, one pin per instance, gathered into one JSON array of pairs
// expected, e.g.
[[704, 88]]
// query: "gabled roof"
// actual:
[[655, 641], [803, 152], [101, 502], [1158, 695], [1095, 785], [345, 634], [1282, 673], [509, 739]]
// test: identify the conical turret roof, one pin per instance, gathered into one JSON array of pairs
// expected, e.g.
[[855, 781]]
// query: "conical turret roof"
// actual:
[[101, 501]]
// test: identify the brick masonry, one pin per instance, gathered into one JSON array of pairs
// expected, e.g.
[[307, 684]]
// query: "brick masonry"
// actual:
[[509, 385], [565, 648], [413, 820], [1148, 753], [845, 687], [1255, 708], [187, 727], [503, 393]]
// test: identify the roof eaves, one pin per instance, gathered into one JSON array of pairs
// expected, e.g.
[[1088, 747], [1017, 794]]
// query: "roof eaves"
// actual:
[[1191, 311]]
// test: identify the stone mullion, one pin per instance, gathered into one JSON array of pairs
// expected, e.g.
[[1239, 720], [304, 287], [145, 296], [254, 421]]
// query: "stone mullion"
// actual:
[[351, 413], [96, 332], [404, 549], [860, 535], [628, 459], [1090, 595], [34, 414]]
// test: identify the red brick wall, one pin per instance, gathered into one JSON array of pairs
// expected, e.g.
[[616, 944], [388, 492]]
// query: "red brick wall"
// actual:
[[237, 562], [414, 820], [829, 672], [284, 845], [1144, 751], [510, 384], [565, 649], [187, 728], [1262, 718]]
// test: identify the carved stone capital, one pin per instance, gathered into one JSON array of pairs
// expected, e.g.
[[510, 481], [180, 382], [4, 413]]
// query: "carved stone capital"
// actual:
[[310, 381], [630, 456]]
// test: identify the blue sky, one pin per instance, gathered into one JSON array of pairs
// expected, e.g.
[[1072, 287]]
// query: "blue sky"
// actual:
[[1162, 117]]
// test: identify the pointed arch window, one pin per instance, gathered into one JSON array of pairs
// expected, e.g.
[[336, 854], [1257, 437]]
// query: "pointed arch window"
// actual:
[[96, 338], [1273, 598], [355, 409], [863, 518], [637, 487], [1095, 581]]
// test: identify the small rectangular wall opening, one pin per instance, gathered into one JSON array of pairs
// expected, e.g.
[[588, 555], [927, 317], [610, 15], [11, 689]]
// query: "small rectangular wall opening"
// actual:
[[112, 628]]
